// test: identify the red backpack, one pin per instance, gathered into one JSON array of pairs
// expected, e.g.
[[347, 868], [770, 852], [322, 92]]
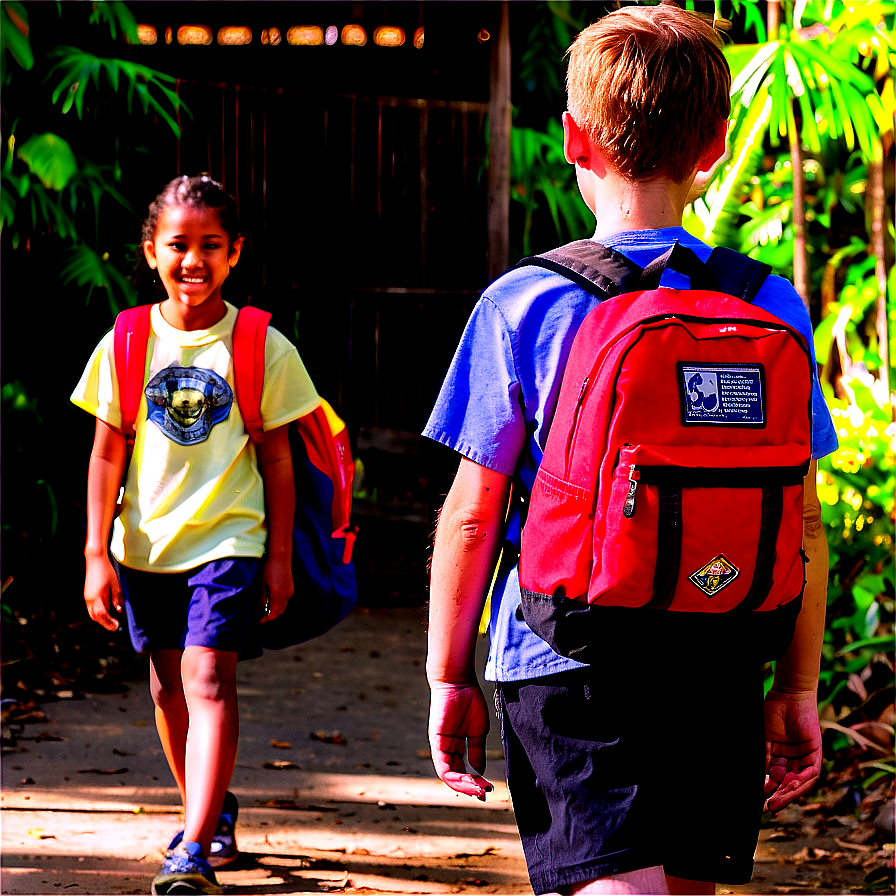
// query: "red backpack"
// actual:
[[323, 537], [672, 476]]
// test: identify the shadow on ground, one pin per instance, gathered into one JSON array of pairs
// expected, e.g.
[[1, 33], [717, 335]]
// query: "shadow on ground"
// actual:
[[335, 784]]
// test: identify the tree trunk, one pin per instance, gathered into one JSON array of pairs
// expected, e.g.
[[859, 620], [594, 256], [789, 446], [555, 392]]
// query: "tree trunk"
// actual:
[[798, 216], [773, 18], [800, 254], [499, 121], [877, 201]]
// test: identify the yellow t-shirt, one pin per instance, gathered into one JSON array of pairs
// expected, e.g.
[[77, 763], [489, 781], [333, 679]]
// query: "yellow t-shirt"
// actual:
[[193, 492]]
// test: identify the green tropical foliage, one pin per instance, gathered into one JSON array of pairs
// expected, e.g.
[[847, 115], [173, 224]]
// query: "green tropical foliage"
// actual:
[[817, 66], [64, 204], [539, 174], [49, 184]]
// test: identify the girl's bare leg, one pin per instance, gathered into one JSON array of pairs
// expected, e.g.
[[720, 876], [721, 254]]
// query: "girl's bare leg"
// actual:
[[209, 686], [172, 718]]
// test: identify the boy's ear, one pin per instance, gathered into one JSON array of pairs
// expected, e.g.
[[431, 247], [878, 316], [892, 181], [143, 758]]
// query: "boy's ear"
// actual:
[[149, 251], [717, 148], [235, 250], [576, 146]]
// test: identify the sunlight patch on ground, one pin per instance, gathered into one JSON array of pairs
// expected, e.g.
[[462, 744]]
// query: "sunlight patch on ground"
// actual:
[[301, 787]]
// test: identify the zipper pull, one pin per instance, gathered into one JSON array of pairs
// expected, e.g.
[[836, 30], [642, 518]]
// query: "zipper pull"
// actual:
[[628, 508], [582, 390]]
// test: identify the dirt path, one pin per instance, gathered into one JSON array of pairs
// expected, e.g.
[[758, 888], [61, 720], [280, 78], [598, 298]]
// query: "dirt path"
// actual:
[[335, 784]]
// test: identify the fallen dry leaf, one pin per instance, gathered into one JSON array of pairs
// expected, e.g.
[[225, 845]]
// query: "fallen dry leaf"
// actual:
[[280, 763], [102, 771], [281, 744], [328, 737], [489, 851], [40, 835], [861, 847], [808, 854], [292, 805]]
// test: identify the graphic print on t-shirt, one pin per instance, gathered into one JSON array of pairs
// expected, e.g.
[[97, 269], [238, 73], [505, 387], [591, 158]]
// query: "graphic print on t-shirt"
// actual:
[[186, 402]]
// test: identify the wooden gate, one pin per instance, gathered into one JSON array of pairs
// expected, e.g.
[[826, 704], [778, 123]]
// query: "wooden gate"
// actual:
[[363, 181]]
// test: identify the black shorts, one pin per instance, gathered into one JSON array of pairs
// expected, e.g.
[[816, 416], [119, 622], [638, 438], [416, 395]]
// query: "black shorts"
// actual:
[[632, 764]]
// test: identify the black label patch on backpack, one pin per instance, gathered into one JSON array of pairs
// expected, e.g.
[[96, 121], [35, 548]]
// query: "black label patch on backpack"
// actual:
[[721, 394]]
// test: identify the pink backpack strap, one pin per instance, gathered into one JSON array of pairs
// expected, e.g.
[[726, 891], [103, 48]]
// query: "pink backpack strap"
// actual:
[[132, 328], [249, 333]]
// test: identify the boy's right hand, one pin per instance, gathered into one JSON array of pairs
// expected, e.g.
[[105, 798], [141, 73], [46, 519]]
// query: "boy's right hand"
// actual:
[[102, 592], [458, 724]]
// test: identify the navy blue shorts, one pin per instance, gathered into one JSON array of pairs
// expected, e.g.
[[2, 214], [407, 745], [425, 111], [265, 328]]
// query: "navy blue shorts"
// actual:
[[634, 764], [212, 605]]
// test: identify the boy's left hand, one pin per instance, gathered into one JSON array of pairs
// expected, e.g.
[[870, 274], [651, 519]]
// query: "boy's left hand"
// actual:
[[792, 746], [277, 588]]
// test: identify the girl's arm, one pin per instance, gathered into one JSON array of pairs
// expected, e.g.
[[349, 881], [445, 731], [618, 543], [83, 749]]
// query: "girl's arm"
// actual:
[[106, 469], [275, 466]]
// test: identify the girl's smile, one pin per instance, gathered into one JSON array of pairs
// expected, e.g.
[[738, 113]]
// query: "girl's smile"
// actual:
[[192, 253]]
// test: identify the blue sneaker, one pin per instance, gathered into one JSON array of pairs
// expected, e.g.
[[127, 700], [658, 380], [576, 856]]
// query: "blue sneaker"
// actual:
[[224, 849], [185, 870]]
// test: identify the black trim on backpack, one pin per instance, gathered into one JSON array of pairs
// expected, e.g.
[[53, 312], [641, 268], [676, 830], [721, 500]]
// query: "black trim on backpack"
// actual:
[[585, 632], [722, 477], [668, 550], [770, 523]]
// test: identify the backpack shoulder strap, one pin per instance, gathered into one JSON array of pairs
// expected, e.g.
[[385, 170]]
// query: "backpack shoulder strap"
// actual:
[[738, 275], [130, 337], [606, 272], [249, 333], [725, 271], [603, 272]]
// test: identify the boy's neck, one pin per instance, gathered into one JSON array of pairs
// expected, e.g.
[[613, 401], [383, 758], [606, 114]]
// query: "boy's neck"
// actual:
[[621, 205]]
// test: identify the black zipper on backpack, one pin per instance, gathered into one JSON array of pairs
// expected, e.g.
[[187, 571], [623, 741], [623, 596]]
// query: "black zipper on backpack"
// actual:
[[628, 508], [571, 440]]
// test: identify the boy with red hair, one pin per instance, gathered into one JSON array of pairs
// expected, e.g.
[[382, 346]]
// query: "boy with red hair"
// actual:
[[645, 771]]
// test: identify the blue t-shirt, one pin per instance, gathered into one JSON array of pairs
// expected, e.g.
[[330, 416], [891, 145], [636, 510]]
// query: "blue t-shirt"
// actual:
[[499, 395]]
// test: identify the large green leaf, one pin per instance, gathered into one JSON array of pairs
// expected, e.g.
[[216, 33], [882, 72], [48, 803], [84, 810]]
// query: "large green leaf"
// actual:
[[719, 212], [77, 70], [834, 68], [14, 33], [50, 158], [752, 17], [755, 64], [7, 208], [86, 267], [117, 17]]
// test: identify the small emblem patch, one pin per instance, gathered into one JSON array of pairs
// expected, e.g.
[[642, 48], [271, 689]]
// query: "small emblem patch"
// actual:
[[713, 577], [722, 394]]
